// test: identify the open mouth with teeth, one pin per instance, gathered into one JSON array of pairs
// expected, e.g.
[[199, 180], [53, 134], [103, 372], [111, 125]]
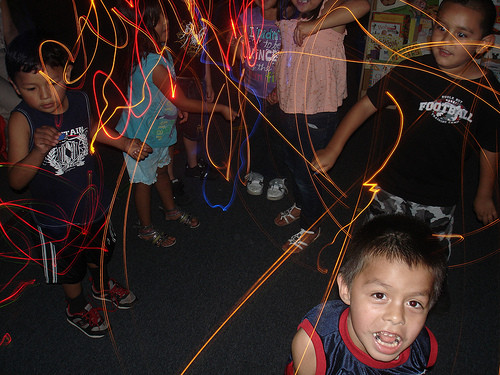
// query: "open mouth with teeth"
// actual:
[[386, 340]]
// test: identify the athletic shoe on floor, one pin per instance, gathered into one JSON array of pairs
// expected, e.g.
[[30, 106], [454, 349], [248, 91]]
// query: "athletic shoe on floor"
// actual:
[[120, 297], [89, 321], [276, 189], [255, 183]]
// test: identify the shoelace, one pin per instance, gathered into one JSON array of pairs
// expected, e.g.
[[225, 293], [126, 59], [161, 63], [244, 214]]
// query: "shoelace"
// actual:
[[92, 316], [297, 236], [250, 177], [287, 212], [117, 291], [276, 184]]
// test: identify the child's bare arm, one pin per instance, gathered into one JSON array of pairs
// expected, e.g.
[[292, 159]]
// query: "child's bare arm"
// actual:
[[484, 206], [134, 147], [357, 115], [163, 80], [303, 354], [208, 82], [338, 13], [24, 163]]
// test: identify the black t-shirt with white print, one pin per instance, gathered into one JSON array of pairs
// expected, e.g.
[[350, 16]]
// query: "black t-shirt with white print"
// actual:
[[443, 119]]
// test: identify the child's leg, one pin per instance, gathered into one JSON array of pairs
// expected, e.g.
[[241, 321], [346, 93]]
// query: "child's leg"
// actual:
[[164, 187], [307, 133], [277, 144], [110, 290], [74, 296], [191, 152], [143, 203], [170, 167]]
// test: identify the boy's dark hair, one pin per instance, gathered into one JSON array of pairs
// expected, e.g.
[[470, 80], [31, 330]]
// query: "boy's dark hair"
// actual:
[[397, 238], [485, 7], [23, 54]]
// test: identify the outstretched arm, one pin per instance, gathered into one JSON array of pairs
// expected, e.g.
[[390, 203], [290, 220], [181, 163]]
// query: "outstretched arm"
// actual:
[[163, 80], [357, 115], [338, 13], [483, 203], [134, 147]]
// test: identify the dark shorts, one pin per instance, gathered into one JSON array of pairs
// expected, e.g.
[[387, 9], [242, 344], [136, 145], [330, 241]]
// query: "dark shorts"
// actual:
[[193, 128], [64, 258]]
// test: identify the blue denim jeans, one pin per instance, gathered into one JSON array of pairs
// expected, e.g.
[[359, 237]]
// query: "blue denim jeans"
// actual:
[[307, 133]]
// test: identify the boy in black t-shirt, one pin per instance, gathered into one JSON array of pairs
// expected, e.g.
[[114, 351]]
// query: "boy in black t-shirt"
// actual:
[[49, 135], [448, 105]]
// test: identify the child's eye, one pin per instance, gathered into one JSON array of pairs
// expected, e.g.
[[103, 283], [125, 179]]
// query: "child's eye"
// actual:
[[461, 35], [415, 304], [378, 295]]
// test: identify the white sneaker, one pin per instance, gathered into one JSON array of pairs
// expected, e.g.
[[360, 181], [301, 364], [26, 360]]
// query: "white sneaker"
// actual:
[[277, 189], [255, 183]]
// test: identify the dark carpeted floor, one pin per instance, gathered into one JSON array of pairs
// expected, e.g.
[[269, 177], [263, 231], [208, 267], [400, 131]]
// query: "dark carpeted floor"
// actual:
[[223, 300], [223, 289]]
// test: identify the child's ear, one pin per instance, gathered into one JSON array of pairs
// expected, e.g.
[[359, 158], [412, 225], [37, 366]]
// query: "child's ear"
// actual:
[[487, 42], [15, 87], [67, 73], [344, 292]]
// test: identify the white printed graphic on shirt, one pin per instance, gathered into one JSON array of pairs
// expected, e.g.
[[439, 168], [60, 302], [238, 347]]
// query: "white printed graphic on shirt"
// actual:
[[69, 152], [447, 110]]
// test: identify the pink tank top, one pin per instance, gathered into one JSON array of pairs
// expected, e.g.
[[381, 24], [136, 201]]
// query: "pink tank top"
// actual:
[[311, 78]]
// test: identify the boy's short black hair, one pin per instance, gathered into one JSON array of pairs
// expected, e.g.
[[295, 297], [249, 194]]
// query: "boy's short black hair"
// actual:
[[485, 7], [23, 54], [397, 238]]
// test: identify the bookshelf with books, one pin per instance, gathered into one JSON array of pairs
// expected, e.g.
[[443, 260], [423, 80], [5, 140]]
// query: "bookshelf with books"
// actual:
[[492, 58], [399, 30], [395, 28]]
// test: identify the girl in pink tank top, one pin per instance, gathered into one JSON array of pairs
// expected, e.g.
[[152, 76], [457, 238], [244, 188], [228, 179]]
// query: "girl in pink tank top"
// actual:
[[311, 85]]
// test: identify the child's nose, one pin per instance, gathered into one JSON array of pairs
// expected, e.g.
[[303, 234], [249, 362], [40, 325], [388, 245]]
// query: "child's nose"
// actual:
[[46, 91], [394, 313], [448, 37]]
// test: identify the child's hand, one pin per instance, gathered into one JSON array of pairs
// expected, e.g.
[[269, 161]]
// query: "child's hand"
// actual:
[[485, 209], [210, 93], [138, 150], [45, 138], [228, 113], [272, 98], [303, 30], [183, 116], [322, 161]]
